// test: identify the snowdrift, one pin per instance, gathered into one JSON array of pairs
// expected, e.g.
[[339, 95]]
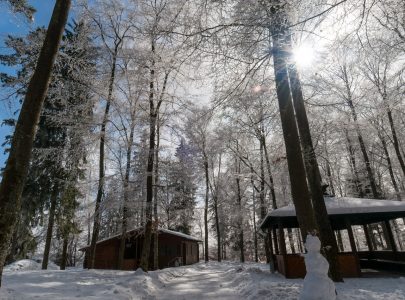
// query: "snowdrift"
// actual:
[[28, 265]]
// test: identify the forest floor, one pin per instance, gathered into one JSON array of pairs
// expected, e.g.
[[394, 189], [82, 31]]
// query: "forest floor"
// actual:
[[214, 280]]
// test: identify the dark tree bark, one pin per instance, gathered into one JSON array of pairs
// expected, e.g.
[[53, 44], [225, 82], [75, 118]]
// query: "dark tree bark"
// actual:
[[125, 215], [353, 165], [263, 207], [49, 230], [254, 190], [239, 205], [254, 221], [16, 168], [270, 174], [155, 202], [326, 234], [64, 252], [394, 137], [216, 217], [207, 183], [296, 169], [153, 116], [144, 264], [101, 168], [330, 179], [389, 166]]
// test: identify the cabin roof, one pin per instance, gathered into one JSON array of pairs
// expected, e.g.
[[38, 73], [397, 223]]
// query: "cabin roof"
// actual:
[[358, 210], [138, 230]]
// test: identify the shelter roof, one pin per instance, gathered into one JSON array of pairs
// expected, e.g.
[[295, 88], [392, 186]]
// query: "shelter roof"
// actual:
[[356, 210]]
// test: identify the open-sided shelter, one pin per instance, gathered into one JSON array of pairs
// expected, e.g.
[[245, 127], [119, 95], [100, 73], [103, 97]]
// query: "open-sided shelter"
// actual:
[[175, 249], [374, 219]]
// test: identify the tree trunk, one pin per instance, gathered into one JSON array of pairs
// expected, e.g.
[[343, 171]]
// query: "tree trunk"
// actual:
[[15, 171], [254, 222], [207, 182], [296, 169], [389, 165], [51, 221], [291, 239], [266, 155], [144, 264], [330, 179], [155, 203], [101, 171], [263, 208], [363, 149], [216, 216], [125, 215], [353, 164], [239, 205], [326, 234], [153, 117], [64, 252], [394, 136]]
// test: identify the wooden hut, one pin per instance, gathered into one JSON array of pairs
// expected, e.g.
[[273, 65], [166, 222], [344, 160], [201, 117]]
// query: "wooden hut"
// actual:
[[368, 220], [175, 249]]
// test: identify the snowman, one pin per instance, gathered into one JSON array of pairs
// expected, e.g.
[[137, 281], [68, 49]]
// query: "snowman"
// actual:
[[317, 284]]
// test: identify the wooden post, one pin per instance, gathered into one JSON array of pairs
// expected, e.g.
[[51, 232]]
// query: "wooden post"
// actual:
[[276, 248], [351, 236], [390, 239], [368, 239], [271, 262], [198, 252]]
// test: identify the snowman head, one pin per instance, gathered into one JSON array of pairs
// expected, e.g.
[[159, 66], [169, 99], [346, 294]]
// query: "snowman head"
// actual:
[[313, 243]]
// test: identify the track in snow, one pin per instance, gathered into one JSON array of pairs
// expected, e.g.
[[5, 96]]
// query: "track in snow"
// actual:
[[198, 284]]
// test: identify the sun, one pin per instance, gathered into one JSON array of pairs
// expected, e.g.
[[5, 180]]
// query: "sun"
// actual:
[[304, 55]]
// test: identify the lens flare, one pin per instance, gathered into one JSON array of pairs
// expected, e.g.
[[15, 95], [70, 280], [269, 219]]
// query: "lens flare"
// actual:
[[304, 55]]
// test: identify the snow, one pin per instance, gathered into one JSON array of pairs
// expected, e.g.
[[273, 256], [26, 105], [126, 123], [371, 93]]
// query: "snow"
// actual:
[[226, 280], [180, 234], [346, 205], [317, 284], [138, 229], [28, 265]]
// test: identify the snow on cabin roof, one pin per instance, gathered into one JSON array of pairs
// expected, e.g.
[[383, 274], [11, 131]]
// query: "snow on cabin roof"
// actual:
[[346, 205], [180, 234], [161, 230]]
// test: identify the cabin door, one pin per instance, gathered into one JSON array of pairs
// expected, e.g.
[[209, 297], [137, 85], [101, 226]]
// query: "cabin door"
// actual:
[[184, 253]]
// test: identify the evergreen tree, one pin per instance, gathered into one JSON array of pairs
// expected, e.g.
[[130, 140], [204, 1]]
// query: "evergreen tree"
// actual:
[[59, 142], [183, 186]]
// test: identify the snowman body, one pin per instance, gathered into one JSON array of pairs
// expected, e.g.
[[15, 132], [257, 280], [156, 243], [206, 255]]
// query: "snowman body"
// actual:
[[317, 284]]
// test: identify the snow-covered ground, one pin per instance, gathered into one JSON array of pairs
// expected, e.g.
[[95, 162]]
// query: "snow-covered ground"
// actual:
[[28, 265], [200, 281]]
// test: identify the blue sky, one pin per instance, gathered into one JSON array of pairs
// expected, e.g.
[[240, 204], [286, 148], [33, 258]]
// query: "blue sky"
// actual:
[[17, 25]]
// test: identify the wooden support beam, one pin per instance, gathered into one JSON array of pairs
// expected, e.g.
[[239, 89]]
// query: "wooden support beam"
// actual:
[[275, 242], [368, 239], [390, 237], [271, 262], [351, 236]]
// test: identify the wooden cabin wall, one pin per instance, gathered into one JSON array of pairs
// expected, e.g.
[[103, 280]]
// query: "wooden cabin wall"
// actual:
[[171, 248]]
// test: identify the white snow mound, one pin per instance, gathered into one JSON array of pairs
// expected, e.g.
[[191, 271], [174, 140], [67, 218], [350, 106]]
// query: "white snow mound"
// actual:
[[28, 265]]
